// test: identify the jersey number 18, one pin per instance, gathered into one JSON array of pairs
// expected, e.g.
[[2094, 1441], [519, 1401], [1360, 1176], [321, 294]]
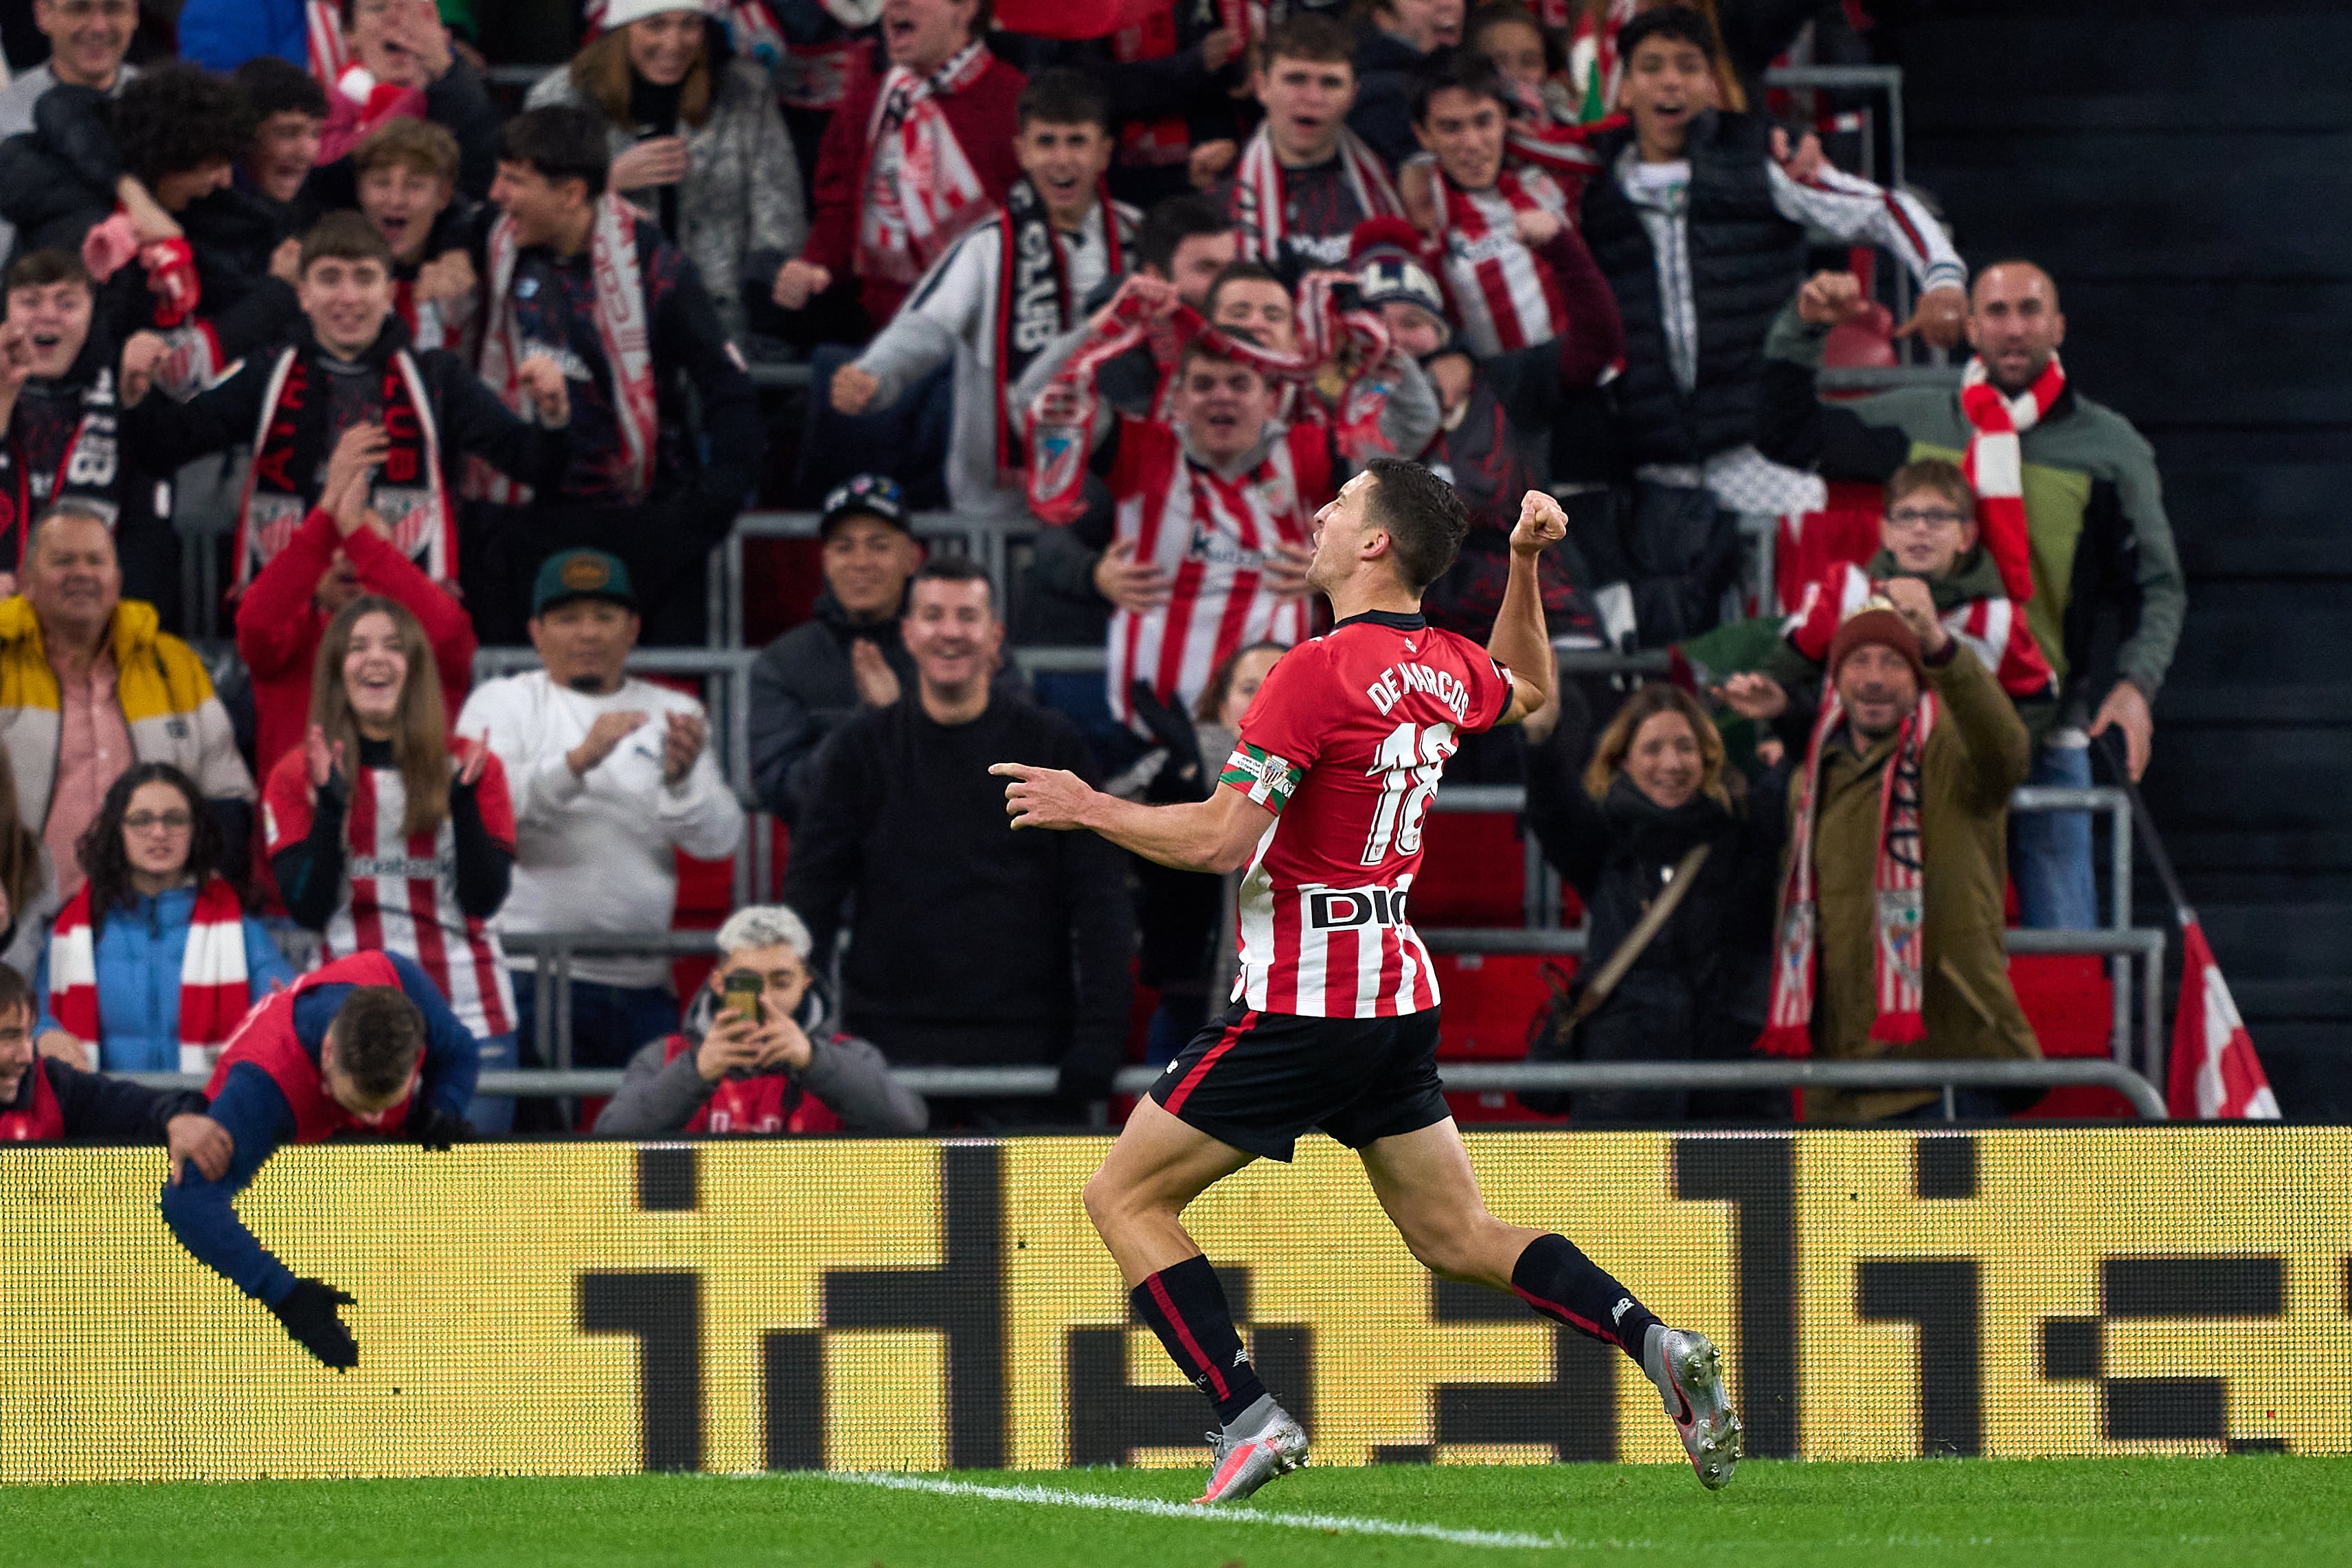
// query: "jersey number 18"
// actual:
[[1408, 763]]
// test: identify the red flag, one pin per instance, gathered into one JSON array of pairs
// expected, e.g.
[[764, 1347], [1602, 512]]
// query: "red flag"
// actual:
[[2215, 1072]]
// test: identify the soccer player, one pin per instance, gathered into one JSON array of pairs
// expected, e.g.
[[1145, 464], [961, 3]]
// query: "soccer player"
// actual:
[[1334, 1021], [362, 1044]]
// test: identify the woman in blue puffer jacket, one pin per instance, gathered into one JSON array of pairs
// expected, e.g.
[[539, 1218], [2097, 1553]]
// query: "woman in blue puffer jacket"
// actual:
[[150, 965]]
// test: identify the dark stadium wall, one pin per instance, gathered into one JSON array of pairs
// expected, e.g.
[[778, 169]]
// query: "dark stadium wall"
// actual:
[[733, 1306], [2185, 172]]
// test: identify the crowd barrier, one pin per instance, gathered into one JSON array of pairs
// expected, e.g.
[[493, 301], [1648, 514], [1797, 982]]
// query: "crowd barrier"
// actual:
[[738, 1305]]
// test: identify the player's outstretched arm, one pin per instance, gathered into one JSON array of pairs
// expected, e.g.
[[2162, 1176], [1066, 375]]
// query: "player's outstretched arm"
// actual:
[[1217, 834], [1522, 642]]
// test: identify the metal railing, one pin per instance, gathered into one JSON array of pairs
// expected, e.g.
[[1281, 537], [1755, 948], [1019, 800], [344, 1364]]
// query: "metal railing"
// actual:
[[1466, 1077], [726, 677]]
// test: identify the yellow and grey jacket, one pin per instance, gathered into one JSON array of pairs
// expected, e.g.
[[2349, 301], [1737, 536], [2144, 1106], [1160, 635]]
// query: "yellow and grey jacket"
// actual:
[[167, 703]]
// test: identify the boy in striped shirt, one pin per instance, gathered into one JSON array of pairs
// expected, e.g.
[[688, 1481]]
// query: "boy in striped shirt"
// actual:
[[1334, 1021]]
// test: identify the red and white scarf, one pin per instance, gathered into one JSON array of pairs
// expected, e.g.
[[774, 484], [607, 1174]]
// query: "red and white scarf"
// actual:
[[623, 326], [213, 980], [1503, 292], [919, 189], [1995, 465], [291, 441], [1261, 211], [1059, 422], [1897, 948]]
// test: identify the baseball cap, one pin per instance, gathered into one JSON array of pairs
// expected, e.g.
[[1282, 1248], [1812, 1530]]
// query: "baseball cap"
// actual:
[[867, 495], [580, 574]]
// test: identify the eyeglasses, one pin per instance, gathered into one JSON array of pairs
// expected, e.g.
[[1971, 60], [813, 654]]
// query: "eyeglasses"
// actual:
[[148, 822], [1922, 517]]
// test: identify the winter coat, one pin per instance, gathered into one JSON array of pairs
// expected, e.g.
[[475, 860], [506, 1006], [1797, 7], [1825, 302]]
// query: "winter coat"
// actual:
[[1698, 990], [1977, 756], [660, 1092], [742, 187], [802, 686], [139, 951]]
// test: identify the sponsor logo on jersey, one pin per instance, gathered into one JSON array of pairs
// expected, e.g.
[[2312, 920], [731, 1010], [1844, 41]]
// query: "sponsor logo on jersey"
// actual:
[[423, 867], [1344, 909]]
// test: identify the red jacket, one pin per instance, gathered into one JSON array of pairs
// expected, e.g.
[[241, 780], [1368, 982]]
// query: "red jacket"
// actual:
[[279, 627], [983, 120]]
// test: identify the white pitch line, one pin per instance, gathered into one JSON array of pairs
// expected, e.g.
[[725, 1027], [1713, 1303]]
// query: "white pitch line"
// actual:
[[1329, 1524]]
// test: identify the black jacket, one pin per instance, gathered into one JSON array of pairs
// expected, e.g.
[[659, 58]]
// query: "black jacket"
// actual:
[[99, 1108], [470, 417], [976, 946], [1746, 260], [1700, 988], [803, 687], [1382, 114]]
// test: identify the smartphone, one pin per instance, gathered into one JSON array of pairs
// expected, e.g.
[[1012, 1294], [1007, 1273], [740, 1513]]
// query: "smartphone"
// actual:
[[739, 993]]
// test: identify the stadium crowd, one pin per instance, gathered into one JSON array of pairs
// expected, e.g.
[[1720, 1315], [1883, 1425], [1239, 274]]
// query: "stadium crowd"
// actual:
[[448, 370]]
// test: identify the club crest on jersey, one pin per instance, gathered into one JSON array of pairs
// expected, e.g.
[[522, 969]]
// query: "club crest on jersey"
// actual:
[[1275, 490], [1335, 909]]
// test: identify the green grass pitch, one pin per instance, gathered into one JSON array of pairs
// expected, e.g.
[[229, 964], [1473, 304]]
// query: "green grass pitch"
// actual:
[[2270, 1511]]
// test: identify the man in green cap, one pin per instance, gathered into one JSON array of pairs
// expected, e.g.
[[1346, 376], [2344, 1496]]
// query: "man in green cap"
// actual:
[[611, 775]]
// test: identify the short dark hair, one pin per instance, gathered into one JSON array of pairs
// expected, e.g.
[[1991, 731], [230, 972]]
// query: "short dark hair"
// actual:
[[1468, 69], [1685, 24], [174, 117], [1424, 517], [344, 236], [951, 568], [274, 86], [379, 1037], [14, 992], [1309, 36], [561, 142], [1064, 96], [1169, 223], [1932, 473], [1241, 271], [40, 268]]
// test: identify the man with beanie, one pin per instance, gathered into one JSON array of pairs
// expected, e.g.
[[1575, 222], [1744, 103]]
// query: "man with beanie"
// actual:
[[1493, 439], [1891, 910]]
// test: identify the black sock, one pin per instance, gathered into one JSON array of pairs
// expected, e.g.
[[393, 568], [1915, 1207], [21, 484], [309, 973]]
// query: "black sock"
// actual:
[[1564, 1285], [1186, 1308]]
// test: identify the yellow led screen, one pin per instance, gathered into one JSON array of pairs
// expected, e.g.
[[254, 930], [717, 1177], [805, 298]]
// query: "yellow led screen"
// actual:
[[736, 1305]]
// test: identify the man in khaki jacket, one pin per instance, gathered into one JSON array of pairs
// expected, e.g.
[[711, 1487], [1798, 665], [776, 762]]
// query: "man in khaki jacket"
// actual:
[[1891, 931]]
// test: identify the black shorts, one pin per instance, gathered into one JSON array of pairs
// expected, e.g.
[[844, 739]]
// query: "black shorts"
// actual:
[[1259, 1080]]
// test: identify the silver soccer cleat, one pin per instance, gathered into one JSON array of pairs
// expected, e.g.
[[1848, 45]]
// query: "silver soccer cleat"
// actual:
[[1689, 1374], [1242, 1465]]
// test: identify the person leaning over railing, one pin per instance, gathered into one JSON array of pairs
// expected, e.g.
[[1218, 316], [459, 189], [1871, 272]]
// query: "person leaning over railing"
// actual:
[[785, 1070], [1891, 909], [1655, 793]]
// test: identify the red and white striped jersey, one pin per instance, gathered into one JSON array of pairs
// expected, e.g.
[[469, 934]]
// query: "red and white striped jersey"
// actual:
[[1503, 295], [1345, 743], [400, 891], [1992, 627], [1211, 535]]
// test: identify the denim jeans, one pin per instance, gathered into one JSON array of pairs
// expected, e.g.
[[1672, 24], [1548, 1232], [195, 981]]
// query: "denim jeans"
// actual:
[[493, 1114], [2049, 855]]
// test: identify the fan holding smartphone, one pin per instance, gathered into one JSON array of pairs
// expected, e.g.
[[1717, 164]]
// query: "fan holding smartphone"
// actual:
[[757, 1053]]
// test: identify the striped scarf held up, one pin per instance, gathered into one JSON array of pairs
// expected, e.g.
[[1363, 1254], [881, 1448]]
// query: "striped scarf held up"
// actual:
[[213, 980], [1896, 945]]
